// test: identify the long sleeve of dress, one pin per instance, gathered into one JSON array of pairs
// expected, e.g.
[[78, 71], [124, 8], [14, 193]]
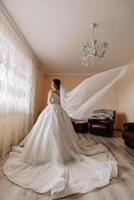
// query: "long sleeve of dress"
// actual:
[[50, 98]]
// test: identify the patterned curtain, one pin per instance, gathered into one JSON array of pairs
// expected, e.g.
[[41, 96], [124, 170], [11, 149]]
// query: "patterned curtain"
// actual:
[[17, 87]]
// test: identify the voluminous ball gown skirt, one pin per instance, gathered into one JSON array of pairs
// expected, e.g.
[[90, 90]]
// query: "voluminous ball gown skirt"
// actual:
[[54, 160]]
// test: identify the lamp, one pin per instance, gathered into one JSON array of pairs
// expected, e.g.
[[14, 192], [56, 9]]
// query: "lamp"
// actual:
[[93, 50]]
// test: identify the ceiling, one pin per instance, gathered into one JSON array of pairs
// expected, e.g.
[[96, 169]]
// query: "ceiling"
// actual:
[[56, 29]]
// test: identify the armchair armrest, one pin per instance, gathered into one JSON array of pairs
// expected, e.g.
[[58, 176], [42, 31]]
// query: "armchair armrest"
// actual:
[[128, 126]]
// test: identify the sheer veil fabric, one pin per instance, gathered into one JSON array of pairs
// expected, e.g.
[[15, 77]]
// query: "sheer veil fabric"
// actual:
[[51, 158], [96, 92]]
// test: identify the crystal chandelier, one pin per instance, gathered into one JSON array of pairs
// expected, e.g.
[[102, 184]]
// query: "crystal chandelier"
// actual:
[[93, 51]]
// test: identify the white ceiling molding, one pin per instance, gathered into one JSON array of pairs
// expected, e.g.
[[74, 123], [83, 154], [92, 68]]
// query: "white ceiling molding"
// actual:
[[69, 74]]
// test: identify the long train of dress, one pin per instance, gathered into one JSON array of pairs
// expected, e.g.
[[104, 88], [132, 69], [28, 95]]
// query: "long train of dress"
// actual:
[[54, 159]]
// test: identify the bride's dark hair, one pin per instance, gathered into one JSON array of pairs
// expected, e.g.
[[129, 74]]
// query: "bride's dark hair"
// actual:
[[57, 83]]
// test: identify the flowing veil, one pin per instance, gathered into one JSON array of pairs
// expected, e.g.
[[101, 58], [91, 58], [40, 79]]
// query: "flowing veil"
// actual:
[[99, 91]]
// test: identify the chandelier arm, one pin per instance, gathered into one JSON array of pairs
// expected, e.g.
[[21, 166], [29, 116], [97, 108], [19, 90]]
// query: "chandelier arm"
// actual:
[[93, 36]]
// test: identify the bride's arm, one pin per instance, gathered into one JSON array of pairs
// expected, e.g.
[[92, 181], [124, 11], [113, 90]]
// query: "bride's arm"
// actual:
[[50, 97]]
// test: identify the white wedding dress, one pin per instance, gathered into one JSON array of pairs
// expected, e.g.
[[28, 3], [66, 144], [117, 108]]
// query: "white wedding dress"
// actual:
[[54, 160]]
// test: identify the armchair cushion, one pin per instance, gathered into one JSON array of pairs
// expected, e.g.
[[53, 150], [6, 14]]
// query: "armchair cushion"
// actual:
[[103, 114]]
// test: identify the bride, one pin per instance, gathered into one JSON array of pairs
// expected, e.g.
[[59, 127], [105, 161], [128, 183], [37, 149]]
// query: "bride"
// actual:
[[53, 159]]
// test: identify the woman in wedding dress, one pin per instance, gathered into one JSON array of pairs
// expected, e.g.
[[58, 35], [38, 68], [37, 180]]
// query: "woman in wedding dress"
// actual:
[[53, 159]]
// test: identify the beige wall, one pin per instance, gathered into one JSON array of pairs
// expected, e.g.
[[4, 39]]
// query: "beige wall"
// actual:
[[126, 100]]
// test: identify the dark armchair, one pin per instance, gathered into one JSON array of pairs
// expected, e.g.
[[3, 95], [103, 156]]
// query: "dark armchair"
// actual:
[[128, 134], [101, 122], [80, 127]]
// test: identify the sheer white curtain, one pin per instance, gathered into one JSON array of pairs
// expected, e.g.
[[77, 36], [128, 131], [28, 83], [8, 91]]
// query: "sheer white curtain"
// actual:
[[17, 87]]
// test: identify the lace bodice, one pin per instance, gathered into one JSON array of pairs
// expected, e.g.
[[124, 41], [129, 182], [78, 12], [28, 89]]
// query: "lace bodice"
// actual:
[[53, 98]]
